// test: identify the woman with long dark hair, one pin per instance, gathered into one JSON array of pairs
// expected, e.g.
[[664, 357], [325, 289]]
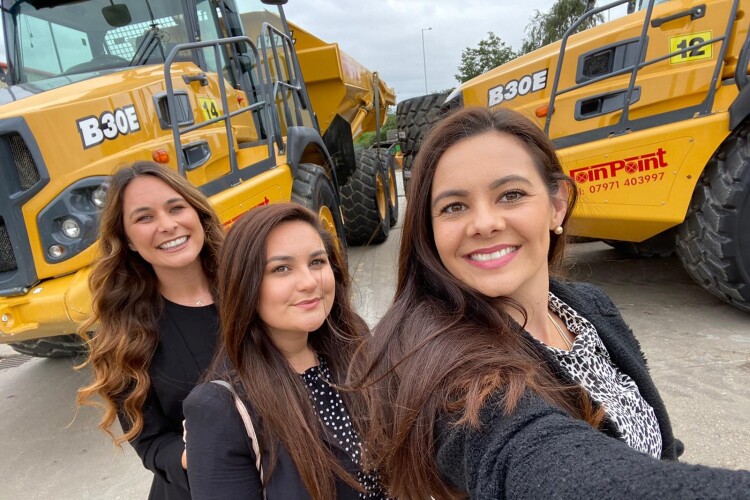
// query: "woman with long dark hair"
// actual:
[[288, 335], [153, 289], [490, 376]]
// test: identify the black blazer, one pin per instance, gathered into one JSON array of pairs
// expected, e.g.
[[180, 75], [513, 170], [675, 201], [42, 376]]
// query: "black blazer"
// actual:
[[187, 339], [221, 459], [538, 451]]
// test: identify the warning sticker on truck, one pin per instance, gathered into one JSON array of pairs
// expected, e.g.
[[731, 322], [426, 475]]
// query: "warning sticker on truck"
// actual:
[[692, 41]]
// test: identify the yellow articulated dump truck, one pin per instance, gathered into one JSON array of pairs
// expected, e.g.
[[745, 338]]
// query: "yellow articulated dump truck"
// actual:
[[248, 107], [650, 114]]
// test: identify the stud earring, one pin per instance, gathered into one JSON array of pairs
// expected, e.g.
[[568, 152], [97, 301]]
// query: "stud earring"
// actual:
[[131, 247], [558, 230]]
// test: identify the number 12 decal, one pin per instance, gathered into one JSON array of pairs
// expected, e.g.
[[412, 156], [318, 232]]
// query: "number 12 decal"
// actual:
[[692, 41]]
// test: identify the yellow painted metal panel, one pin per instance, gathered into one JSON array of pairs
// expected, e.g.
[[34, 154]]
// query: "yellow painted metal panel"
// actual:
[[681, 42], [68, 158], [338, 84], [633, 187]]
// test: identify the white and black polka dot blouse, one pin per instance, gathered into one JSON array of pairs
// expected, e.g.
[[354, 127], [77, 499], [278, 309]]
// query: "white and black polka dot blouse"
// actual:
[[588, 363], [332, 413]]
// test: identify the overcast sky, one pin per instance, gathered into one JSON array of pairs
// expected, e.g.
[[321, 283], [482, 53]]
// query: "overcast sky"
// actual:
[[386, 36]]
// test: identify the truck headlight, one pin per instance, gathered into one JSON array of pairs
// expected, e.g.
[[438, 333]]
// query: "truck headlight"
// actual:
[[71, 228], [56, 251], [70, 223], [99, 196]]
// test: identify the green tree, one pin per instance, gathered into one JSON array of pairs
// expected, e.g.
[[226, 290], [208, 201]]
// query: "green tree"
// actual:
[[490, 53], [550, 26]]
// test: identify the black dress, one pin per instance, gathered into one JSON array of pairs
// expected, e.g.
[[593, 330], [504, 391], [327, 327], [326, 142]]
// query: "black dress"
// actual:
[[187, 340]]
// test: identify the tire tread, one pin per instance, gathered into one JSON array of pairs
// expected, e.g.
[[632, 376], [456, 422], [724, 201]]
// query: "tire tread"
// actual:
[[58, 346], [707, 242], [359, 202]]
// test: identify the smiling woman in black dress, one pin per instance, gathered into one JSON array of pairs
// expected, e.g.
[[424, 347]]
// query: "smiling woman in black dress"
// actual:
[[153, 287]]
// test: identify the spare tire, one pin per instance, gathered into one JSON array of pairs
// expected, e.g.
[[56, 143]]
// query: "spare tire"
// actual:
[[415, 117], [407, 162]]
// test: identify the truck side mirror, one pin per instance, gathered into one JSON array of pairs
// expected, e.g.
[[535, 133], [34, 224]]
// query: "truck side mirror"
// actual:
[[117, 15], [631, 6]]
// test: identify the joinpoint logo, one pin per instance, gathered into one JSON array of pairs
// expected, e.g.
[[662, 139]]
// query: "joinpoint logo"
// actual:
[[610, 170]]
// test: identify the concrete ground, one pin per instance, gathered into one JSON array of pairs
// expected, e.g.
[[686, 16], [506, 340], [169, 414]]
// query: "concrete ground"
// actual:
[[697, 346]]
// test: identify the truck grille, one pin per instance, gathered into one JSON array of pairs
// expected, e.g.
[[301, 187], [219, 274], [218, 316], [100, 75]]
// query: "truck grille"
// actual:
[[7, 259], [28, 173], [22, 175]]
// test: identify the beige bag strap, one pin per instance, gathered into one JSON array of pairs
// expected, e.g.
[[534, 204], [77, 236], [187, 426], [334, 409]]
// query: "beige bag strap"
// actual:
[[248, 427]]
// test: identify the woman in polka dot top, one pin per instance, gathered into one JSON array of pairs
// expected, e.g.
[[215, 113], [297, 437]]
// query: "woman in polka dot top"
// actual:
[[288, 335]]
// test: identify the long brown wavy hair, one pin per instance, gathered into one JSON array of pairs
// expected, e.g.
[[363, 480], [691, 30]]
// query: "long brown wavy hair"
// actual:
[[442, 348], [260, 371], [127, 304]]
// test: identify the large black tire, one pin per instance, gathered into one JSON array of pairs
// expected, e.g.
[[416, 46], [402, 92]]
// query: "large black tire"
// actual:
[[364, 202], [415, 117], [714, 241], [59, 346], [661, 245], [388, 162], [312, 188]]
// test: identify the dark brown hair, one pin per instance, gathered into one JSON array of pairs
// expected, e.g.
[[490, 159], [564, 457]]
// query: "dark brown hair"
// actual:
[[442, 348], [127, 304], [260, 370]]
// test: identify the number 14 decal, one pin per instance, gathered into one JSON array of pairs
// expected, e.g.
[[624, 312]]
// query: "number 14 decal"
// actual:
[[209, 107], [692, 41]]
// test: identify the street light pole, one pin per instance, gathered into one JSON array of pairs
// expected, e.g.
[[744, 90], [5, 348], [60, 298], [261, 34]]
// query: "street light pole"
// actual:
[[424, 59]]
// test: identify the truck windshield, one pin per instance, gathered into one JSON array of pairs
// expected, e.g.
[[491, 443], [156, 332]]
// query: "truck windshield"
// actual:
[[50, 39]]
